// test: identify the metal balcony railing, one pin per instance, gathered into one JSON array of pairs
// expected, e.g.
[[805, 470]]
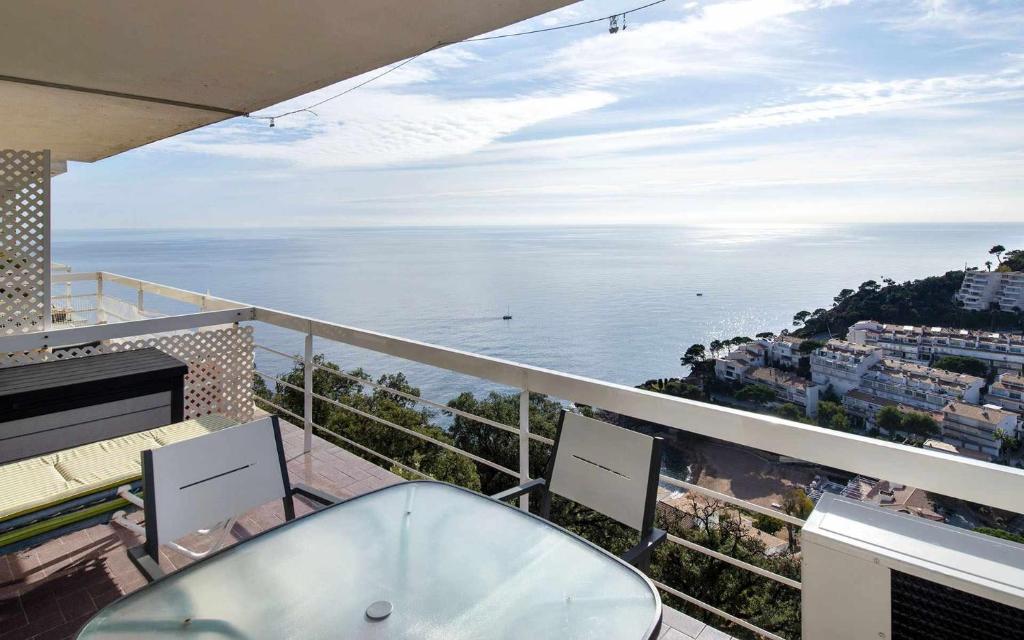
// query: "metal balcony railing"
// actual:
[[987, 484]]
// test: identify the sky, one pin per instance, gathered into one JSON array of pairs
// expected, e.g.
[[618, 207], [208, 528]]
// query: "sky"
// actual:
[[732, 111]]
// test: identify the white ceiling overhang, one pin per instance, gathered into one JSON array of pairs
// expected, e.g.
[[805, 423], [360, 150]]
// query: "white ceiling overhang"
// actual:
[[92, 78]]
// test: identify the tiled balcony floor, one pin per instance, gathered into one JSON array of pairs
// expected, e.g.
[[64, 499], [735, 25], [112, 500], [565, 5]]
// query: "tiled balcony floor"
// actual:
[[50, 591]]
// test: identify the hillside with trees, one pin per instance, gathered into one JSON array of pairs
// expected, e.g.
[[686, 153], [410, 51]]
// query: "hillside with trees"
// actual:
[[928, 301]]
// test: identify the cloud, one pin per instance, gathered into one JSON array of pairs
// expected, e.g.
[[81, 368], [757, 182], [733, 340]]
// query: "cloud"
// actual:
[[383, 128], [824, 102]]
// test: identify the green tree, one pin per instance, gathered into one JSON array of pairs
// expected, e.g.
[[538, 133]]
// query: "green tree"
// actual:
[[1001, 533], [832, 415], [920, 424], [765, 335], [797, 504], [388, 430], [673, 387], [694, 356], [808, 347], [889, 418], [757, 393], [801, 318], [768, 524], [962, 364], [1014, 260], [790, 411], [716, 346], [997, 251]]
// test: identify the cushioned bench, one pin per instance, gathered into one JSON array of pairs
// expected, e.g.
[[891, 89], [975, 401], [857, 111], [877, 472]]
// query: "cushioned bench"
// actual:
[[50, 495]]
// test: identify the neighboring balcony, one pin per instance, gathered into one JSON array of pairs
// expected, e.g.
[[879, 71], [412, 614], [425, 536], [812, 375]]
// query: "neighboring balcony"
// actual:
[[711, 516]]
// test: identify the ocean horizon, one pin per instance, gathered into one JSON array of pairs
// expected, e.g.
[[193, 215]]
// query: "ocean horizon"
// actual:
[[613, 302]]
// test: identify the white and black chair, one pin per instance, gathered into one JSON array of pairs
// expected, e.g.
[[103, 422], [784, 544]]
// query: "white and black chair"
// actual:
[[198, 484], [607, 468]]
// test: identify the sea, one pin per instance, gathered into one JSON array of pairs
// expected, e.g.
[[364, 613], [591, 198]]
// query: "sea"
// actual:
[[617, 303]]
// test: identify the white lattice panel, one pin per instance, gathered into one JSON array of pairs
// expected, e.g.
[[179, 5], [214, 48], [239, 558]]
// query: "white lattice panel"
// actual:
[[220, 366], [25, 241]]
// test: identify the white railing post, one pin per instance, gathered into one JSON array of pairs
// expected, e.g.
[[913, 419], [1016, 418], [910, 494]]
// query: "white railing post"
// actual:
[[524, 444], [140, 299], [307, 395], [101, 315]]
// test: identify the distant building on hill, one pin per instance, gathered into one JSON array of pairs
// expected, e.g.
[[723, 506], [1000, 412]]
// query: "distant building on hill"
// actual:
[[843, 364], [1007, 392], [1002, 351], [973, 428], [983, 289], [788, 387], [918, 386]]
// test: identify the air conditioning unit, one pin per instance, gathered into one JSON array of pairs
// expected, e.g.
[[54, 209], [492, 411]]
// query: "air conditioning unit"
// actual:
[[874, 574]]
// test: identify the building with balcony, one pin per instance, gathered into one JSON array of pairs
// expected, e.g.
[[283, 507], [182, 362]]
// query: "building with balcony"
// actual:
[[1007, 392], [784, 351], [982, 290], [1001, 350], [914, 385], [788, 387], [735, 363], [842, 365], [974, 428]]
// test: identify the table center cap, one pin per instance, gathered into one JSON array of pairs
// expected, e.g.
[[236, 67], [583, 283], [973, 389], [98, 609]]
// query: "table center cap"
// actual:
[[379, 610]]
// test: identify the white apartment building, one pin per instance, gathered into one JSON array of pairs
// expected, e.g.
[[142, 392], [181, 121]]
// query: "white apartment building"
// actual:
[[1003, 351], [784, 351], [788, 387], [734, 364], [918, 386], [843, 364], [983, 289], [973, 427], [1007, 392]]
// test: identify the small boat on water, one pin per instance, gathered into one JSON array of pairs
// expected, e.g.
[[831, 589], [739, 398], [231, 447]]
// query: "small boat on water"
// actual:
[[508, 315], [699, 294]]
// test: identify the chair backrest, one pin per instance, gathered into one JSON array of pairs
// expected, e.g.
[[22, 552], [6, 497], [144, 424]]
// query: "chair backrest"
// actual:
[[197, 483], [607, 468]]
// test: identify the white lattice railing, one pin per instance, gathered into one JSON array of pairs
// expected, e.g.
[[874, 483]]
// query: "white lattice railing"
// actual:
[[984, 483], [24, 241]]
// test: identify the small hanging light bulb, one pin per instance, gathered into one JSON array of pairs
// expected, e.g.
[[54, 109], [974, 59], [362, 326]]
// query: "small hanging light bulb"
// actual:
[[271, 123], [623, 22], [613, 24]]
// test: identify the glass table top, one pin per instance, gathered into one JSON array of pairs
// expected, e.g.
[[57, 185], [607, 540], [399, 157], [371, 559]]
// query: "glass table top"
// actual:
[[417, 560]]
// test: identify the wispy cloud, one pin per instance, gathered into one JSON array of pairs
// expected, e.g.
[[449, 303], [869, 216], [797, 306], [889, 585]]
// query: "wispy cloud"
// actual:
[[729, 109]]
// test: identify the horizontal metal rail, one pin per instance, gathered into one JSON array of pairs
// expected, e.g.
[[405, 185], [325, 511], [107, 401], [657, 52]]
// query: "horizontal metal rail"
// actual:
[[279, 408], [985, 483], [279, 381], [437, 405], [82, 335], [426, 438], [280, 353], [718, 612], [736, 562], [743, 504], [370, 451]]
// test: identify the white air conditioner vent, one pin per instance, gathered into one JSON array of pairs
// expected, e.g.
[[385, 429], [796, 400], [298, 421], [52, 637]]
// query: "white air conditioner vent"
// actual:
[[874, 574]]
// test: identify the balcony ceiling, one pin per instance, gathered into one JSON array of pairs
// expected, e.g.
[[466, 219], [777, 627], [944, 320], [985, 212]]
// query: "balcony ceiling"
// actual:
[[68, 67]]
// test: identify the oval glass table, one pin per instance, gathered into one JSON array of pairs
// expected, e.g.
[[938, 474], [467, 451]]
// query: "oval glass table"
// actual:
[[422, 560]]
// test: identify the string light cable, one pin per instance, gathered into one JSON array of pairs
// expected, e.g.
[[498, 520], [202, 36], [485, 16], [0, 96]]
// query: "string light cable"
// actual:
[[613, 27]]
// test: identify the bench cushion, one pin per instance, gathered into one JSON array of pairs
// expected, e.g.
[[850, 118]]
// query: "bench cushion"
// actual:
[[38, 483]]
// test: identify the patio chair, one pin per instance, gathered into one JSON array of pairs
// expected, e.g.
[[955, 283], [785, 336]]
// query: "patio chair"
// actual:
[[195, 485], [58, 492], [607, 468]]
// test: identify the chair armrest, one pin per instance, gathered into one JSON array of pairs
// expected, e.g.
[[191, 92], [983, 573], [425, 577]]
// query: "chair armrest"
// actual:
[[315, 495], [641, 553], [521, 490], [147, 566]]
